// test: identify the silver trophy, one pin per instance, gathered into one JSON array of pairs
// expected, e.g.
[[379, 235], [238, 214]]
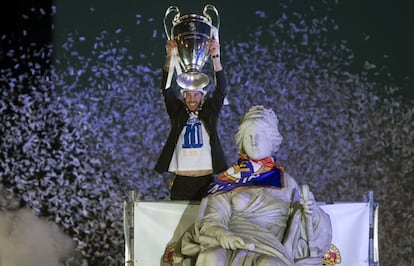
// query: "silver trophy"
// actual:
[[192, 33]]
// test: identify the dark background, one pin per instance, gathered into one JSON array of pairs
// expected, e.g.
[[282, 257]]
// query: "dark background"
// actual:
[[378, 31]]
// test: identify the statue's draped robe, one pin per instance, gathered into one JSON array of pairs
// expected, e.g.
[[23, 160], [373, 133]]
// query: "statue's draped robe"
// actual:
[[270, 217]]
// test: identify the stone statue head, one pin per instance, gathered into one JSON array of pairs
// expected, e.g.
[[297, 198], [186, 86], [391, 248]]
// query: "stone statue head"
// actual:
[[258, 134]]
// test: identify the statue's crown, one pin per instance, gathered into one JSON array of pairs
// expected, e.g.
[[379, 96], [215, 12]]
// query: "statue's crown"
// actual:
[[331, 257]]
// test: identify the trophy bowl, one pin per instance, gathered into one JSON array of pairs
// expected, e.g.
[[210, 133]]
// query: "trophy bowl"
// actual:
[[192, 33]]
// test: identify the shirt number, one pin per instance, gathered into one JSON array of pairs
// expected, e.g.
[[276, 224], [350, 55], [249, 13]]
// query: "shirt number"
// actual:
[[193, 136]]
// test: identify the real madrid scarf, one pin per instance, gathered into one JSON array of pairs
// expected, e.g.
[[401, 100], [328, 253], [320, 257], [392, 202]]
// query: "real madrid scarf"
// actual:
[[247, 173]]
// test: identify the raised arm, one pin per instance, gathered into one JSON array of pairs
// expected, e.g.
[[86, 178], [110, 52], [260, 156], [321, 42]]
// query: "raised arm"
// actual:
[[214, 51]]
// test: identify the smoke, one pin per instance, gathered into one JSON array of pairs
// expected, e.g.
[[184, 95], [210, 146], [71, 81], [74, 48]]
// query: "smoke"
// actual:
[[27, 240]]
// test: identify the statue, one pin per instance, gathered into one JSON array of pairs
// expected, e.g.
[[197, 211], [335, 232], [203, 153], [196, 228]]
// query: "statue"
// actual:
[[255, 213]]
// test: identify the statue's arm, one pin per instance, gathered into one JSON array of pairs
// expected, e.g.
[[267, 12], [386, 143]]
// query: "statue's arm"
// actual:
[[213, 223]]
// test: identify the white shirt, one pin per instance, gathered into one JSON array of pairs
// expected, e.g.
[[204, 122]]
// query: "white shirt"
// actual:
[[193, 151]]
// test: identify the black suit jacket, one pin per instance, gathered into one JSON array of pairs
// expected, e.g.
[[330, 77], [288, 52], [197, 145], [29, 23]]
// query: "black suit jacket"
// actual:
[[178, 116]]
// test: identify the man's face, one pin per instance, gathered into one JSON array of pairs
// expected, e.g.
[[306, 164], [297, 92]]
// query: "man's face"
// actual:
[[193, 99]]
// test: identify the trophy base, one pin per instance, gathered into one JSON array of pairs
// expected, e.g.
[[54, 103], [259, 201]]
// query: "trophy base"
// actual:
[[192, 80]]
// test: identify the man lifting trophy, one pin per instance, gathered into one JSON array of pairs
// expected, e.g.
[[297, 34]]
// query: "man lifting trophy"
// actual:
[[192, 33], [192, 152]]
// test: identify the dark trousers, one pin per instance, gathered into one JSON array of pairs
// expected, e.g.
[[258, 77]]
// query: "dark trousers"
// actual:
[[190, 187]]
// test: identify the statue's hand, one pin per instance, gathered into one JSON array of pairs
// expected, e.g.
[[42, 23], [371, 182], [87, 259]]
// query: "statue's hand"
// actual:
[[307, 206], [229, 241]]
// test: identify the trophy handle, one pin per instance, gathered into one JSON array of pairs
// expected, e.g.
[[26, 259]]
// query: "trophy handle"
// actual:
[[213, 8], [176, 17]]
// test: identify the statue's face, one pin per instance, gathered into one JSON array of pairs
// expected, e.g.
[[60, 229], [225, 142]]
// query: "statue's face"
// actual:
[[256, 142]]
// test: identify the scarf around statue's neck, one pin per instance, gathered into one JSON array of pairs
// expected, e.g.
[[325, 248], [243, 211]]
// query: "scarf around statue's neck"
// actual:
[[247, 172]]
